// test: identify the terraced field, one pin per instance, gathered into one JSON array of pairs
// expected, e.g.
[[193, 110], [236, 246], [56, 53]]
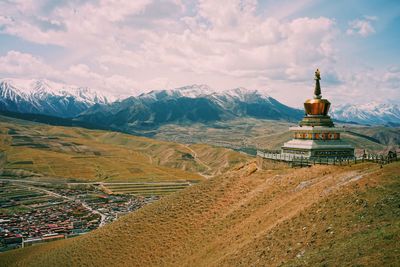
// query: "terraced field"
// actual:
[[15, 198], [146, 189]]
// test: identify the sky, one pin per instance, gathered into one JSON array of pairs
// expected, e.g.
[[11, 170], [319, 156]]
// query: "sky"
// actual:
[[129, 47]]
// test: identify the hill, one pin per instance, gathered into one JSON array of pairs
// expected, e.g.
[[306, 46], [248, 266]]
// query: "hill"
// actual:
[[323, 215], [77, 154], [252, 134]]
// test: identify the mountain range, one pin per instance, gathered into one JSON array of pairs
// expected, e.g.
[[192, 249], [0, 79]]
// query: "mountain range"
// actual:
[[47, 97], [370, 113], [189, 104]]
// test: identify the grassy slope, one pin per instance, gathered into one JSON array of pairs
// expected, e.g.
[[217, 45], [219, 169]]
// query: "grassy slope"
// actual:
[[94, 155], [323, 215], [267, 134]]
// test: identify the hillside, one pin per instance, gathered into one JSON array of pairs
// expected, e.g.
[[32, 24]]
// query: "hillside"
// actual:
[[77, 154], [323, 215], [269, 134]]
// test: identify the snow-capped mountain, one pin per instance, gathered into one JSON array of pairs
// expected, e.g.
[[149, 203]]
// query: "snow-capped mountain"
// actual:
[[191, 91], [371, 113], [193, 103], [203, 90], [47, 97], [189, 104]]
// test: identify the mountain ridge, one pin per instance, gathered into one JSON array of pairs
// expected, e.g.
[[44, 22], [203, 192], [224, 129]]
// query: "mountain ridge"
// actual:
[[191, 103], [195, 103], [370, 113], [46, 97]]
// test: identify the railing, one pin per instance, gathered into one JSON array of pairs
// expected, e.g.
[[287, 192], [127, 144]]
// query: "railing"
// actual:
[[301, 161]]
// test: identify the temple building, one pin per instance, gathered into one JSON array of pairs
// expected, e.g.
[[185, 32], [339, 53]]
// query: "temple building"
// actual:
[[316, 136]]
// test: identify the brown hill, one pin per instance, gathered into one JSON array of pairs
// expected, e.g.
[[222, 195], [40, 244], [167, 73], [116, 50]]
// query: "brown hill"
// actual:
[[323, 215], [267, 134], [93, 155]]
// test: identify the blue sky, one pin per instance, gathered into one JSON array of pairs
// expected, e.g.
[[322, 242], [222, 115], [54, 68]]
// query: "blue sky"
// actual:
[[128, 47]]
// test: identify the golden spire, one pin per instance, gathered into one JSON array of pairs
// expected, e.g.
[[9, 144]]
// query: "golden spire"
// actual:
[[317, 90], [317, 106]]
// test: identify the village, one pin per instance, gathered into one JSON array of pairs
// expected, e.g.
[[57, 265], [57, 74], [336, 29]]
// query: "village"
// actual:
[[32, 214]]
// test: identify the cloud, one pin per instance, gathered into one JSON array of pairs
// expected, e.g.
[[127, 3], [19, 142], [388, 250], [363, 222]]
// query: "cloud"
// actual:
[[367, 85], [227, 37], [17, 63], [131, 46], [362, 27]]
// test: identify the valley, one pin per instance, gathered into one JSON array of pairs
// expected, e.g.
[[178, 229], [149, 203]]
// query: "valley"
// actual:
[[67, 154], [69, 181], [96, 177], [249, 134], [199, 133]]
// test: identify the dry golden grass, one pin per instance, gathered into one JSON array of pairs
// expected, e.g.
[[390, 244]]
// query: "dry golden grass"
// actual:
[[270, 134], [323, 215], [93, 155]]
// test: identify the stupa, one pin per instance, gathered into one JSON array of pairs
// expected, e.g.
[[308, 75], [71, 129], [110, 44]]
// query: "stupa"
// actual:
[[316, 136]]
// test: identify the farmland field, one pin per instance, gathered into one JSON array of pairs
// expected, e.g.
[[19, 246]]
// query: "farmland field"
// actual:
[[146, 189]]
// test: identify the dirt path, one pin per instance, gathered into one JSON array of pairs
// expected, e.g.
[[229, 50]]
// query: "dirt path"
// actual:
[[197, 159]]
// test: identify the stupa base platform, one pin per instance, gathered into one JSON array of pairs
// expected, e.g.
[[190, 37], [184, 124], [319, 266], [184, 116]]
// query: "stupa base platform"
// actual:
[[314, 149]]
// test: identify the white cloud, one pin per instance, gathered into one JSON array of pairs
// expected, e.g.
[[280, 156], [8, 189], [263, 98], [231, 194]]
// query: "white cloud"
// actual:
[[226, 37], [127, 46], [367, 85], [17, 63], [362, 27]]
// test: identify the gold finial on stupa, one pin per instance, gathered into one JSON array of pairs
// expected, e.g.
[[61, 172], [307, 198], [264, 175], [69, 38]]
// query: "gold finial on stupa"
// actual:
[[317, 75], [317, 90], [317, 106]]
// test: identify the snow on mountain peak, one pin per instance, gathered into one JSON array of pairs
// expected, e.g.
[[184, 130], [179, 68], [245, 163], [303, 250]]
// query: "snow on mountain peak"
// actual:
[[31, 89], [193, 91], [368, 113], [203, 90], [244, 94], [46, 97]]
